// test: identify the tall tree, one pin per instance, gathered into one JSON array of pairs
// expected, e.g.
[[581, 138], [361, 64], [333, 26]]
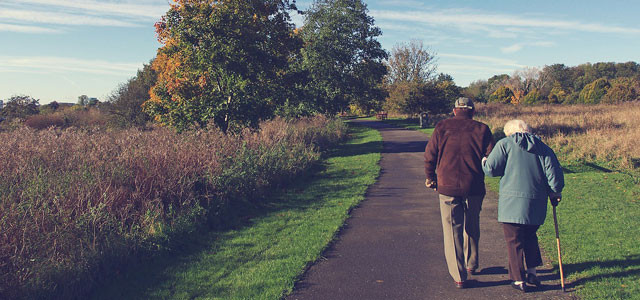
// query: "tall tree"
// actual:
[[83, 100], [126, 101], [411, 62], [222, 61], [20, 106], [342, 55]]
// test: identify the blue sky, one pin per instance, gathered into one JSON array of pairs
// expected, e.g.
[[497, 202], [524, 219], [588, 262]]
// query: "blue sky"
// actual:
[[61, 49]]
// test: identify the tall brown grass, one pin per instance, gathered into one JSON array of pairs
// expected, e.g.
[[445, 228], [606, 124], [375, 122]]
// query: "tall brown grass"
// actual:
[[604, 132], [73, 201]]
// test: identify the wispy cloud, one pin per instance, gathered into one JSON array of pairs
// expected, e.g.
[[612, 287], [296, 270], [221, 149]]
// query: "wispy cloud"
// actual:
[[120, 8], [26, 29], [460, 18], [52, 64], [519, 46], [512, 49], [60, 18], [24, 16], [483, 59]]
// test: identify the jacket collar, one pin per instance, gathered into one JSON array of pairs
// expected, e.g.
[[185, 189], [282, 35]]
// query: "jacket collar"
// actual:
[[463, 117]]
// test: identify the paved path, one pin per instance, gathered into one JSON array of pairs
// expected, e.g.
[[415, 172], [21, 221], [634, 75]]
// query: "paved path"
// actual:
[[391, 247]]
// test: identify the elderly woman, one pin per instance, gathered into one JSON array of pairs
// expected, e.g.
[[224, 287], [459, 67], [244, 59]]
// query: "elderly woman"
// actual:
[[530, 173]]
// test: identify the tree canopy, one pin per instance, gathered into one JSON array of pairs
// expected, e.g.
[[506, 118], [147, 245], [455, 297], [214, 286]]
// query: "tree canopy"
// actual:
[[221, 62], [586, 83], [20, 106], [342, 55]]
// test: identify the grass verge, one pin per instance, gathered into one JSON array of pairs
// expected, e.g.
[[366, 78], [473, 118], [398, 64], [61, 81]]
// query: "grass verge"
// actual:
[[263, 258]]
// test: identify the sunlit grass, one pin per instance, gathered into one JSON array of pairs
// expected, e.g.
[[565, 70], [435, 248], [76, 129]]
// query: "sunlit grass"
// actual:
[[599, 221], [413, 124], [263, 258]]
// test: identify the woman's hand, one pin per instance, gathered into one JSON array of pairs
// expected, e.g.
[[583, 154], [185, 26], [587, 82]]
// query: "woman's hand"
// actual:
[[555, 198]]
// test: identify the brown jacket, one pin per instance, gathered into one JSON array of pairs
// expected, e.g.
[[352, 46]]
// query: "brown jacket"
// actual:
[[455, 152]]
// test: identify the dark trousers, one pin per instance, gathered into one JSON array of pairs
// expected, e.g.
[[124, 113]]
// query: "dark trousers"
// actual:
[[521, 240]]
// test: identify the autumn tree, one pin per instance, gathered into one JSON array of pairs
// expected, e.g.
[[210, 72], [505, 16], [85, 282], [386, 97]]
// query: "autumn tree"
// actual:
[[342, 55], [502, 95], [221, 62], [622, 90]]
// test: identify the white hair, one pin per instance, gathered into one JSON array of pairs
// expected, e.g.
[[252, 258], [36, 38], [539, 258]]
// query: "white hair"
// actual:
[[515, 126]]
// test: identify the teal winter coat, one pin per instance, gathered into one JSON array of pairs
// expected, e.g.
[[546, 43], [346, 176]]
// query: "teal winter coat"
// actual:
[[530, 171]]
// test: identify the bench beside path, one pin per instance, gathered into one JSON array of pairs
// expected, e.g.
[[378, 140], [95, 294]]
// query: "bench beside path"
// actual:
[[391, 246]]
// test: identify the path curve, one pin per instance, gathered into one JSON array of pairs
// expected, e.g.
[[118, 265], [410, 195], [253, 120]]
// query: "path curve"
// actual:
[[391, 246]]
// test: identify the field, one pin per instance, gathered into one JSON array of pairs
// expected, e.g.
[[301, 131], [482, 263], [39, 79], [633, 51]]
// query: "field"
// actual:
[[604, 134]]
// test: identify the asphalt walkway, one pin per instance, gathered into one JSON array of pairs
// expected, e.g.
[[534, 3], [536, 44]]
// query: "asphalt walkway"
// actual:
[[391, 247]]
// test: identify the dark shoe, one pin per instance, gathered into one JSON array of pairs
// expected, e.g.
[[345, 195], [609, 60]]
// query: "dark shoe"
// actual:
[[460, 285], [520, 287], [533, 279]]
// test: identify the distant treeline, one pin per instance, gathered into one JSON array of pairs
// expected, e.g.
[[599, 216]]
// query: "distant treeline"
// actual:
[[603, 82]]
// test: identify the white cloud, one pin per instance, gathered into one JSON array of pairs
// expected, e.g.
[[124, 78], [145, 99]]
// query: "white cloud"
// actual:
[[519, 46], [512, 49], [26, 29], [473, 20], [60, 18], [119, 8], [51, 64], [483, 59]]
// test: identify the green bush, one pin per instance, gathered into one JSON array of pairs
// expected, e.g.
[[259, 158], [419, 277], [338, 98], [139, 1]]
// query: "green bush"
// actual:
[[502, 95], [594, 91]]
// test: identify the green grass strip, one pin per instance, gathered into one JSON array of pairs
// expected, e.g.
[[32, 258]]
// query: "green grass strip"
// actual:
[[264, 258], [599, 221]]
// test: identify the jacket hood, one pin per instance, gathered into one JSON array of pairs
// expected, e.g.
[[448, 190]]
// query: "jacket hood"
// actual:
[[527, 141]]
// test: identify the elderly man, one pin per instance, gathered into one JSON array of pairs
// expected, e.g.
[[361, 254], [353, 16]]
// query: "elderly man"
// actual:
[[453, 167], [530, 173]]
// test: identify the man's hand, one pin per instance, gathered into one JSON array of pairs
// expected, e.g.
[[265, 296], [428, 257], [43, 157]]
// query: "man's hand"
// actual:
[[555, 198], [430, 184], [484, 159]]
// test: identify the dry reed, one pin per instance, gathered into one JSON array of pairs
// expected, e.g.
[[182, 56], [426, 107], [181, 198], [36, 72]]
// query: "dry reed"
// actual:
[[604, 132], [75, 200]]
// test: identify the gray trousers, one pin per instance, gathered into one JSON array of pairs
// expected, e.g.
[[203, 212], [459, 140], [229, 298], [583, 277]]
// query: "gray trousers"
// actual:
[[461, 230]]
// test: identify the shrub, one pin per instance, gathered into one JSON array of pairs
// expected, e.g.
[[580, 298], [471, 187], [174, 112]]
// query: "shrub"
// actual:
[[44, 121], [76, 201], [502, 95], [594, 91]]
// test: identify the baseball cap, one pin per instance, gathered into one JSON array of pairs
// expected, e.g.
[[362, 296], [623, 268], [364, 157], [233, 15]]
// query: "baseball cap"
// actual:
[[464, 102]]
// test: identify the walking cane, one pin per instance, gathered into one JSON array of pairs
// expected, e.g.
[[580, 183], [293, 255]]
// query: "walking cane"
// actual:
[[555, 222]]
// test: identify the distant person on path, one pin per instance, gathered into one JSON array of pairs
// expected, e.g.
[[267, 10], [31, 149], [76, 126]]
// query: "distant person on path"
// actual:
[[530, 173], [452, 162]]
